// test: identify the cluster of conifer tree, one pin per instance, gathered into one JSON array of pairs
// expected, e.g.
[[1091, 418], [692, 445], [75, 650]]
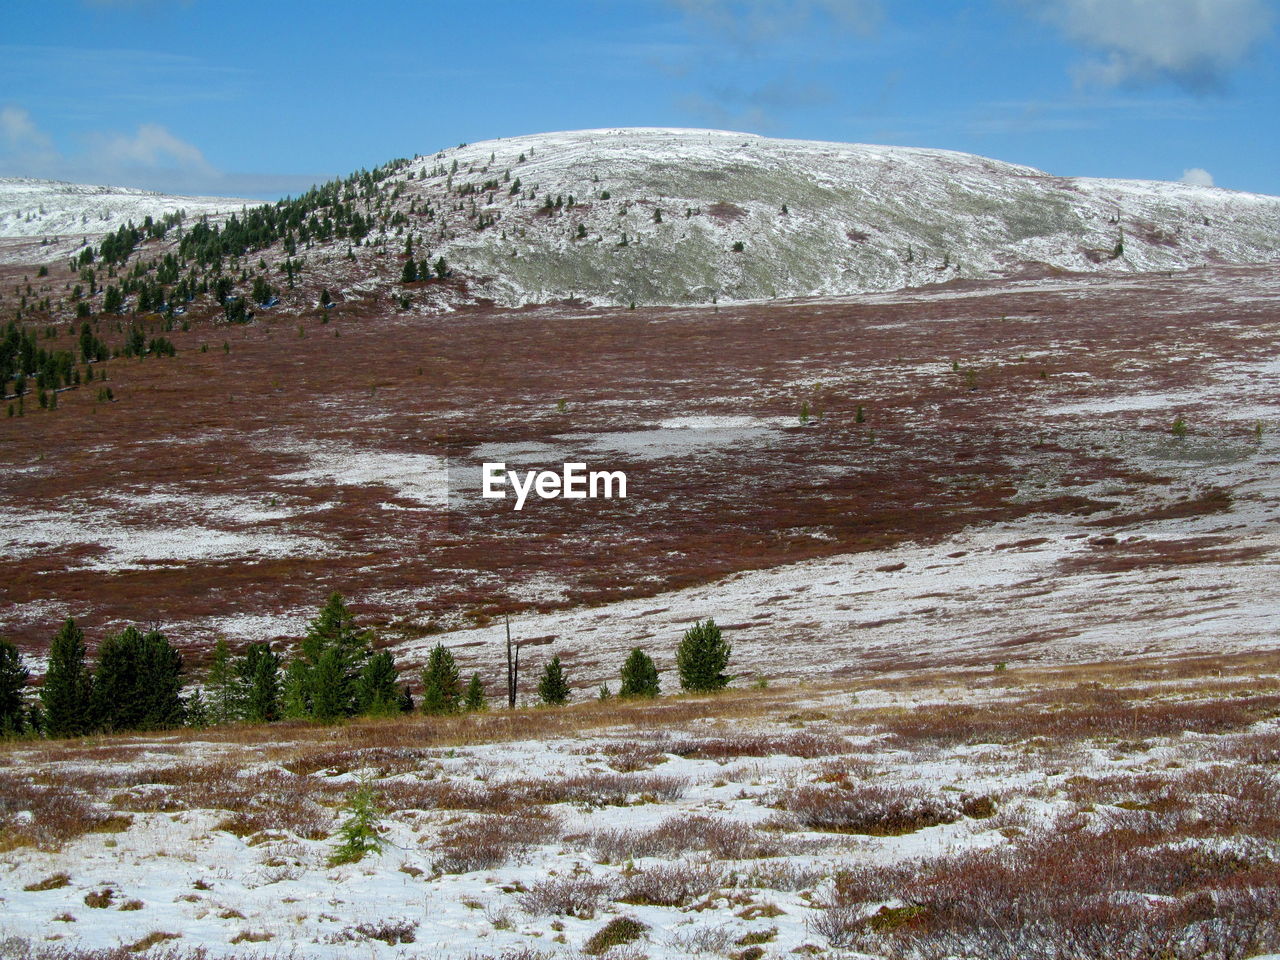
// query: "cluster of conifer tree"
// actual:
[[322, 213], [136, 682]]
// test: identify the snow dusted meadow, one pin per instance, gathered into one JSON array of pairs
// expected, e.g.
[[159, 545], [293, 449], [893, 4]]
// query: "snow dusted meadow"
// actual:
[[883, 816]]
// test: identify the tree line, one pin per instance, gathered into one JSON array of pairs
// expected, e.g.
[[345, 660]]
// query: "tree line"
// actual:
[[138, 678]]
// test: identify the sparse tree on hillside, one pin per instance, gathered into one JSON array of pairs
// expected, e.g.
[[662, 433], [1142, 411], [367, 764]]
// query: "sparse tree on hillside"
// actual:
[[552, 688], [702, 657], [67, 684], [639, 676]]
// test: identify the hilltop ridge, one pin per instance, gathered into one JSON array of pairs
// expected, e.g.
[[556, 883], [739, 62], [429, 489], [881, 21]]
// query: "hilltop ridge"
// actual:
[[675, 216]]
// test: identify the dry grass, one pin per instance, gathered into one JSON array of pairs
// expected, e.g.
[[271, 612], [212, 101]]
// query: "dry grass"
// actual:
[[1081, 887], [55, 882]]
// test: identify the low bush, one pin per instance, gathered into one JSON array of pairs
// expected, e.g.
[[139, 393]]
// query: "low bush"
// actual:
[[874, 809], [723, 839], [615, 933], [390, 932], [578, 895], [672, 884], [55, 882], [803, 744], [490, 840]]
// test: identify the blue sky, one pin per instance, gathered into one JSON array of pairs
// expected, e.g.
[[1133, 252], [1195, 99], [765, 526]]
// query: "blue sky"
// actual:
[[261, 99]]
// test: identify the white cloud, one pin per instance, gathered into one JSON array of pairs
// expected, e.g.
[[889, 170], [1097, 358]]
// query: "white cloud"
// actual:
[[1197, 177], [151, 148], [1192, 42], [20, 137], [151, 157]]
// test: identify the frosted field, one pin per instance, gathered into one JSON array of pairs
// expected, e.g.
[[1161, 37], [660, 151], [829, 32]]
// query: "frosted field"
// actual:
[[715, 824]]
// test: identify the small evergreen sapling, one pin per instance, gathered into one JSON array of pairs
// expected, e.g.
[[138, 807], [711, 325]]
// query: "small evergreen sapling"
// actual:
[[358, 834], [553, 690], [702, 657]]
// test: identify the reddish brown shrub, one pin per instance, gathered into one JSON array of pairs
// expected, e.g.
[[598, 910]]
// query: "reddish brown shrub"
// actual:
[[672, 884], [877, 809], [490, 840]]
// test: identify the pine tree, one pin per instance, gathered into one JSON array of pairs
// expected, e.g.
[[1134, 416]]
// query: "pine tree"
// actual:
[[195, 711], [376, 690], [334, 640], [162, 670], [410, 272], [330, 698], [639, 676], [13, 682], [295, 696], [67, 685], [137, 684], [702, 657], [473, 700], [260, 672], [440, 682], [224, 686], [552, 688]]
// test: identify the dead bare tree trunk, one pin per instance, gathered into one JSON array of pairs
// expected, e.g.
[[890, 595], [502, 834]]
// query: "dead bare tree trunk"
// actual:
[[513, 666]]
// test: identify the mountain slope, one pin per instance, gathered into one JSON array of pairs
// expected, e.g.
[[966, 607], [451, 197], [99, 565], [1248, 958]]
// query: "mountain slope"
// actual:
[[663, 216], [857, 218]]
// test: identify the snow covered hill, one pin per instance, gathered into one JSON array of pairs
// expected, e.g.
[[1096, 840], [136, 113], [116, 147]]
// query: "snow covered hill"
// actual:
[[689, 216], [49, 208], [667, 216]]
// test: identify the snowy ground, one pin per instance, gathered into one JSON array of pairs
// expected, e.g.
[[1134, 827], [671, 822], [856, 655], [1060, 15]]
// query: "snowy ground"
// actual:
[[52, 208], [702, 820]]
